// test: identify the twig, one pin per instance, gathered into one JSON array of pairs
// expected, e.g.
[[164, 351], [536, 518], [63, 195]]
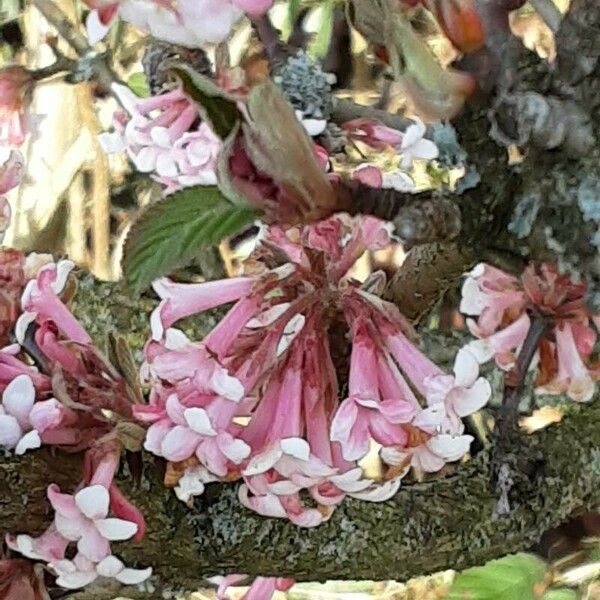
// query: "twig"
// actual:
[[103, 74], [277, 52], [513, 390], [345, 110], [57, 18], [418, 218], [549, 13], [61, 65]]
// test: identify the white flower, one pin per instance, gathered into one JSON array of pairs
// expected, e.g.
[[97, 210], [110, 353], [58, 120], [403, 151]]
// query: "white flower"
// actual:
[[415, 146]]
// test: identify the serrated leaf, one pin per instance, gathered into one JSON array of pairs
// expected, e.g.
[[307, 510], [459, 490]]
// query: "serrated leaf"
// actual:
[[138, 85], [562, 594], [171, 232], [216, 107], [518, 577]]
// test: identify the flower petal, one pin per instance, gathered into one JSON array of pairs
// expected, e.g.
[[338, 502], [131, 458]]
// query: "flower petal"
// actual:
[[93, 501], [130, 576], [29, 441], [116, 529]]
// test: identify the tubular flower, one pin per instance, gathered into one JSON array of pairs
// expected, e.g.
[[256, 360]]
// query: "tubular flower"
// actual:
[[257, 399], [92, 402], [15, 82], [184, 22], [164, 135], [83, 519], [505, 306]]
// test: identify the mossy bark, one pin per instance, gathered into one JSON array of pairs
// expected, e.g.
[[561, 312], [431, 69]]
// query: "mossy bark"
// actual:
[[449, 522], [444, 523]]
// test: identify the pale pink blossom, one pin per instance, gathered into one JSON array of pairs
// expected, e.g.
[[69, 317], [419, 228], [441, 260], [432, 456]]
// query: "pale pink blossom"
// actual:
[[189, 23], [16, 429], [81, 571], [41, 302], [83, 518], [505, 306], [48, 547], [163, 135]]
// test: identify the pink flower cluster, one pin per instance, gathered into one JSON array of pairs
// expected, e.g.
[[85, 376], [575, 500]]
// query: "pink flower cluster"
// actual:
[[257, 399], [184, 22], [505, 305], [164, 135], [76, 419]]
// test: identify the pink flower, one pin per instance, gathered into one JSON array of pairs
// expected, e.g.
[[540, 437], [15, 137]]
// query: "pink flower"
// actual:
[[16, 411], [15, 82], [189, 23], [263, 588], [258, 397], [83, 518], [492, 295], [368, 413], [80, 571], [40, 302], [48, 547], [163, 136], [504, 306]]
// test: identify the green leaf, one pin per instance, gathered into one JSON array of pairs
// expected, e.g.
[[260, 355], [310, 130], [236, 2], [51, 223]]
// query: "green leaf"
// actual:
[[171, 232], [319, 47], [216, 106], [518, 577], [293, 10], [562, 594], [138, 85]]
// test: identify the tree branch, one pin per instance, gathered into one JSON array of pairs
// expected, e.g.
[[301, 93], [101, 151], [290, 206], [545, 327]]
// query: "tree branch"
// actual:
[[57, 18], [345, 110], [103, 74], [426, 527]]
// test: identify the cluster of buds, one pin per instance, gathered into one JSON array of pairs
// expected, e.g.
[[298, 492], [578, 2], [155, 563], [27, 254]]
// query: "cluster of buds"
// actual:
[[165, 136], [257, 399], [72, 399], [505, 307]]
